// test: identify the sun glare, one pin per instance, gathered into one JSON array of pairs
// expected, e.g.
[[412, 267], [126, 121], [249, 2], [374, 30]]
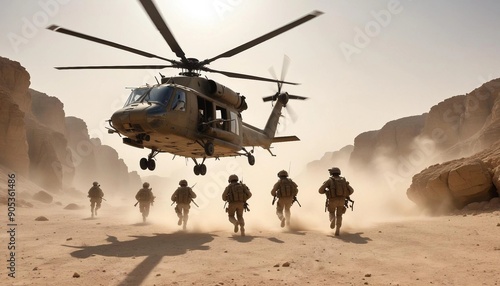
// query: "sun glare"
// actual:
[[199, 10]]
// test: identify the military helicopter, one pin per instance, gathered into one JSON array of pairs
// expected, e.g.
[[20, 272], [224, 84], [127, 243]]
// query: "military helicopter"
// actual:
[[188, 115]]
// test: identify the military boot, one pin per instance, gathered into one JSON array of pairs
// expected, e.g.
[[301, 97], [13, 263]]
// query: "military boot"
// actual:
[[332, 223], [242, 231], [235, 223], [337, 231], [92, 213], [179, 222]]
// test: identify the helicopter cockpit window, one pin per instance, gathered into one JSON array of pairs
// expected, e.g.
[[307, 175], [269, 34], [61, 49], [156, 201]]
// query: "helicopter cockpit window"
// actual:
[[159, 95], [179, 100], [136, 95]]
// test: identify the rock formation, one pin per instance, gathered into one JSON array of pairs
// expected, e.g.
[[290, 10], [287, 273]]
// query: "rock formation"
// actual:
[[464, 126], [14, 102], [456, 183], [52, 150]]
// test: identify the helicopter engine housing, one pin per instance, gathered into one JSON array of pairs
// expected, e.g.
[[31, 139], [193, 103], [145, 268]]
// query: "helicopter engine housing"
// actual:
[[227, 95]]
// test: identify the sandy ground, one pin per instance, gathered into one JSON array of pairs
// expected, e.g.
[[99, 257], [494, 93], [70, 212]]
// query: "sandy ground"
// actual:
[[114, 249]]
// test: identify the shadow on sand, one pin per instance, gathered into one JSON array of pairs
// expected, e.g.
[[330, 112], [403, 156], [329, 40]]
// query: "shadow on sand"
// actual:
[[153, 248], [352, 238]]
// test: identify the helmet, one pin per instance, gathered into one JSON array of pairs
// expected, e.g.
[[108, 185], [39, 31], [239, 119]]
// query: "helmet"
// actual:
[[95, 183], [282, 173], [334, 171], [145, 185], [183, 183], [233, 178]]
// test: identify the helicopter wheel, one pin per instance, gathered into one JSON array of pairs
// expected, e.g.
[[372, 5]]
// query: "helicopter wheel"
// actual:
[[209, 149], [151, 164], [196, 170], [203, 169], [143, 163], [251, 159]]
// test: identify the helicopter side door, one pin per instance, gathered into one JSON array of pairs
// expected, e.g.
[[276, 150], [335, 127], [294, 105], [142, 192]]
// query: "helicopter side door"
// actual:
[[183, 118]]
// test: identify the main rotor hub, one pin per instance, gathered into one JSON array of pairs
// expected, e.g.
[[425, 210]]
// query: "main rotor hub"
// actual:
[[191, 67]]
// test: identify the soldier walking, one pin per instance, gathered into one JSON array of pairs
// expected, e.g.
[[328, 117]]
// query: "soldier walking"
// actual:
[[236, 194], [183, 197], [95, 194], [286, 191], [336, 189], [145, 198]]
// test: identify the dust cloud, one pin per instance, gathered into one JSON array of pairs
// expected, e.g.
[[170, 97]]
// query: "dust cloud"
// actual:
[[379, 194]]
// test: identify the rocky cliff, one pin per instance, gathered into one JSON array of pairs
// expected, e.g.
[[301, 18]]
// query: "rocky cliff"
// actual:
[[39, 142], [14, 102], [464, 126]]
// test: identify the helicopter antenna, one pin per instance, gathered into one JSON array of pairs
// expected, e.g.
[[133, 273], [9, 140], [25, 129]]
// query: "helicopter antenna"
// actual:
[[157, 80]]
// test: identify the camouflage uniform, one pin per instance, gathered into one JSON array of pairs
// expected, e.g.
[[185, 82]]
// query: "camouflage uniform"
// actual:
[[95, 194], [285, 190], [145, 198], [183, 197], [236, 194], [336, 189]]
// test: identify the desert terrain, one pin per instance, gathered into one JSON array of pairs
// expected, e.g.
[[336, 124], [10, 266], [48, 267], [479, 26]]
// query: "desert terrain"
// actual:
[[116, 248]]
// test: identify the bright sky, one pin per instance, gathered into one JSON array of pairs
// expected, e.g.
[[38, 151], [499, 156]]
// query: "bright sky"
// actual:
[[362, 63]]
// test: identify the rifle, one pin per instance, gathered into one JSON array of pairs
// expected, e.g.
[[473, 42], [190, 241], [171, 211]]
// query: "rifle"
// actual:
[[224, 205], [326, 204], [245, 207], [192, 198], [136, 204], [195, 203], [295, 200], [274, 200], [346, 203]]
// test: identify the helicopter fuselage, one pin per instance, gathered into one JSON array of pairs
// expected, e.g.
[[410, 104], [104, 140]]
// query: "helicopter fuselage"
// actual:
[[178, 119]]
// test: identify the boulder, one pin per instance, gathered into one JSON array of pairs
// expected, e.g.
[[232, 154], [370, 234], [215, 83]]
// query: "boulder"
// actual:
[[457, 183], [43, 197]]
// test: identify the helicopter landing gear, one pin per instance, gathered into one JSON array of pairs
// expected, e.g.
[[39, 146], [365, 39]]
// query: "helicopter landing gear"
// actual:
[[250, 157], [209, 148], [199, 169], [149, 163]]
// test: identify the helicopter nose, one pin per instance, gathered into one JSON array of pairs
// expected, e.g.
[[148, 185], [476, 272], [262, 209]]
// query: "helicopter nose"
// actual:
[[129, 120]]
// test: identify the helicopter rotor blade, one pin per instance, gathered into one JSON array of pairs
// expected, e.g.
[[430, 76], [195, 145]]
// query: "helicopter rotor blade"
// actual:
[[62, 30], [162, 27], [273, 73], [284, 67], [270, 97], [137, 67], [292, 113], [265, 37], [245, 76], [291, 96]]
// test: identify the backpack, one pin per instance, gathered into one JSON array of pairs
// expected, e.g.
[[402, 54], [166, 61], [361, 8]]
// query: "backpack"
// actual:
[[237, 193], [95, 192], [287, 188], [183, 195], [338, 187]]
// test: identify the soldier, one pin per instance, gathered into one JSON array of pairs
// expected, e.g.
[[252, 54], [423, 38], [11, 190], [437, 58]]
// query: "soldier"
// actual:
[[236, 194], [95, 195], [145, 199], [286, 191], [337, 189], [183, 197]]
